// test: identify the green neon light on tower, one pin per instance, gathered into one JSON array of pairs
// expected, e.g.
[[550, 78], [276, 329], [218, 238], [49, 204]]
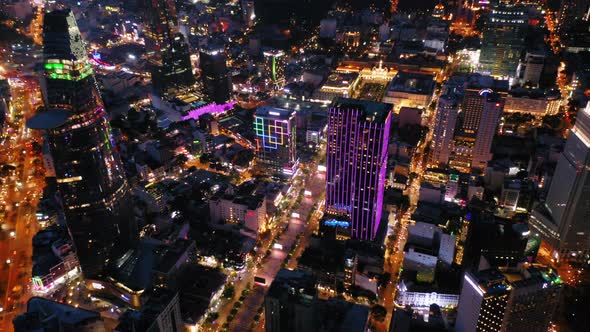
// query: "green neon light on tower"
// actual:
[[274, 68]]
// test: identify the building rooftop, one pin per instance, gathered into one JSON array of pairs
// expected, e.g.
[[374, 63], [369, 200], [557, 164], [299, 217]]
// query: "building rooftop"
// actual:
[[274, 112], [293, 283], [143, 320], [488, 281], [342, 316], [49, 119], [338, 80], [413, 82], [378, 111], [43, 315]]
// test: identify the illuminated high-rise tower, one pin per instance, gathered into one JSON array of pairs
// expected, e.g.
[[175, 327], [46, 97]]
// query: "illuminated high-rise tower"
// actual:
[[479, 118], [563, 221], [275, 139], [444, 129], [215, 74], [503, 40], [166, 48], [483, 301], [274, 67], [356, 162], [89, 173]]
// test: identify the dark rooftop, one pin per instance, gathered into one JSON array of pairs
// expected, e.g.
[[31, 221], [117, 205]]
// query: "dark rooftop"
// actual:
[[49, 119], [380, 111], [413, 82]]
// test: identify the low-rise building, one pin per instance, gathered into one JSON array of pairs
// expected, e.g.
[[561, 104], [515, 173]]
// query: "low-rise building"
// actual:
[[249, 211], [410, 89]]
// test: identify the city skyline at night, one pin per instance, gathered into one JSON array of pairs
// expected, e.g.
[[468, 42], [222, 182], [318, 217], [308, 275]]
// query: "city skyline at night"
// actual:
[[294, 165]]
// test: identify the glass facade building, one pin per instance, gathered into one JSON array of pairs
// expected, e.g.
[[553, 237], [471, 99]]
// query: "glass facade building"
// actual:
[[166, 48], [215, 74], [563, 221], [90, 176], [503, 40], [275, 139], [356, 163], [274, 67]]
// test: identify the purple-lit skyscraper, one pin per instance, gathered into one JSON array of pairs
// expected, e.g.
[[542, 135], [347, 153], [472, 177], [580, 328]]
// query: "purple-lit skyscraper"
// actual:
[[356, 162]]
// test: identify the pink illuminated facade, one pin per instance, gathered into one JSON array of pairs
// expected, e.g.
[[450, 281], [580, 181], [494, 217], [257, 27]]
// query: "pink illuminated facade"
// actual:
[[356, 162], [212, 108]]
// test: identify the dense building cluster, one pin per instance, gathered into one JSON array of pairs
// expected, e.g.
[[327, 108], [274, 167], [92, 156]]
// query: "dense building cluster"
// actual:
[[286, 166]]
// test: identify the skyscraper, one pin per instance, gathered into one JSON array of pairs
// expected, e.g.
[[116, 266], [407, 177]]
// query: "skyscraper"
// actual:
[[274, 67], [214, 73], [492, 108], [522, 298], [481, 110], [503, 40], [533, 299], [571, 11], [444, 129], [356, 162], [483, 301], [166, 48], [563, 221], [90, 177], [275, 139], [290, 304]]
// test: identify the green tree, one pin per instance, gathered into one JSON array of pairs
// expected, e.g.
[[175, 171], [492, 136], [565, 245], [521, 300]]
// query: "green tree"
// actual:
[[378, 312], [229, 292]]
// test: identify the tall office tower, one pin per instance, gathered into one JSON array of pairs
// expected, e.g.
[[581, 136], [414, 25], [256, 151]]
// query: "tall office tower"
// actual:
[[89, 173], [274, 67], [356, 162], [503, 40], [522, 298], [493, 105], [483, 301], [563, 221], [571, 11], [290, 305], [481, 110], [214, 73], [533, 299], [444, 129], [166, 48], [275, 139]]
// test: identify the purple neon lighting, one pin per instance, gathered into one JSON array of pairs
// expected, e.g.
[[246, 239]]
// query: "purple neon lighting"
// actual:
[[212, 108], [356, 165]]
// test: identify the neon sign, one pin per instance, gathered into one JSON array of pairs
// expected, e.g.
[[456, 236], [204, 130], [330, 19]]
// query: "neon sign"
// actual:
[[337, 223], [485, 91], [212, 108], [272, 133]]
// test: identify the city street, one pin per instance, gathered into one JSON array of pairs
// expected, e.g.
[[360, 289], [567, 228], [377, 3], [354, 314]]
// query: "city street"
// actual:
[[272, 264], [20, 195]]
